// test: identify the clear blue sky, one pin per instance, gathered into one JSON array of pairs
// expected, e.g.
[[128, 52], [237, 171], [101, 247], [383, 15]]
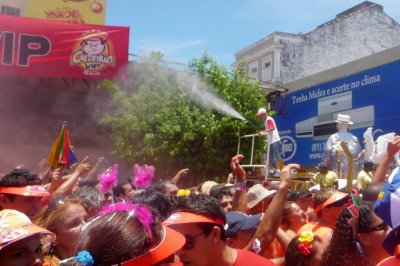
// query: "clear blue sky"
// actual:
[[183, 29]]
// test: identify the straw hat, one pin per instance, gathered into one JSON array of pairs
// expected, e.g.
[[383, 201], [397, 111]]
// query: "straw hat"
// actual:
[[256, 194], [15, 225]]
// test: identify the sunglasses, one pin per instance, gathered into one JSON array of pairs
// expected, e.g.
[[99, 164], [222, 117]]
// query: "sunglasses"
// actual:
[[190, 241], [339, 203], [380, 227]]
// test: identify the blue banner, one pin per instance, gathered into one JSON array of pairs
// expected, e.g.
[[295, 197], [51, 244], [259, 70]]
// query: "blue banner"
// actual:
[[371, 98]]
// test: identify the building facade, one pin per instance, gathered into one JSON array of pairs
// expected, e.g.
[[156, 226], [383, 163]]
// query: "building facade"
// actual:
[[282, 58], [12, 7]]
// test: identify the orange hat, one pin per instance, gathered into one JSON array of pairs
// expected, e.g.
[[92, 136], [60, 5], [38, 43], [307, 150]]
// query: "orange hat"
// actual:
[[171, 242], [188, 217], [15, 225], [336, 196], [31, 191], [144, 260], [393, 260]]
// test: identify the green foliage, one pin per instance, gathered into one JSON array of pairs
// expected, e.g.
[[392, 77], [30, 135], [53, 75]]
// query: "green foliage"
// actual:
[[156, 122]]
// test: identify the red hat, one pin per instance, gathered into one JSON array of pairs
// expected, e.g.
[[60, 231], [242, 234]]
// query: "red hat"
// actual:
[[171, 242], [31, 191], [188, 217]]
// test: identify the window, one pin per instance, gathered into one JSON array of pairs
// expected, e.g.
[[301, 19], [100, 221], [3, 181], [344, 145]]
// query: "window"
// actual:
[[253, 69], [266, 71], [12, 11]]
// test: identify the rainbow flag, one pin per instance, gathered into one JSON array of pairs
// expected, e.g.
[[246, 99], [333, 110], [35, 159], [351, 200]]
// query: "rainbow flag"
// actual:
[[61, 154]]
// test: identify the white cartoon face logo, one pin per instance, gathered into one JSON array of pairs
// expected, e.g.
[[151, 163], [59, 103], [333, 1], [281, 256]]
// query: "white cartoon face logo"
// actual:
[[93, 52], [93, 46]]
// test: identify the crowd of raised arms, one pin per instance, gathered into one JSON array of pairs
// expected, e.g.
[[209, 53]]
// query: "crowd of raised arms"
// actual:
[[93, 217]]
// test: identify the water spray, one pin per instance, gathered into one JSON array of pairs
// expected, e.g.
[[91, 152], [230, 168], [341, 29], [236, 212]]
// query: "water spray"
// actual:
[[251, 124]]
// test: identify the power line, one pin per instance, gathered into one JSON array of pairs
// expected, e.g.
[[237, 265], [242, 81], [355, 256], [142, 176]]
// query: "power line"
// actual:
[[168, 62]]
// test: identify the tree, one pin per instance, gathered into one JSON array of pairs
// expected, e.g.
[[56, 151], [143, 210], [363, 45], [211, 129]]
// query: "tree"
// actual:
[[158, 121]]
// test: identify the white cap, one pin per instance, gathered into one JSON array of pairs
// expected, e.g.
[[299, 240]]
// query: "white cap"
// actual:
[[206, 187], [261, 111]]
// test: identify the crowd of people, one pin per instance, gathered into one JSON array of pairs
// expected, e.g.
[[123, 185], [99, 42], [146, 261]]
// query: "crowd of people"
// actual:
[[75, 218]]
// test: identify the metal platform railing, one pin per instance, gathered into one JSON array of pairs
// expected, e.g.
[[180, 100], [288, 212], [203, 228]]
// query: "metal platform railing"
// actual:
[[251, 165]]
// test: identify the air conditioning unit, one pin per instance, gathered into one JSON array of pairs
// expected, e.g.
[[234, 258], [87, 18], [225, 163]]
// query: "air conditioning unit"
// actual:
[[324, 125]]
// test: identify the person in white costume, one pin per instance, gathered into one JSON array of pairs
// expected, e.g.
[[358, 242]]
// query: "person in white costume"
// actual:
[[334, 155]]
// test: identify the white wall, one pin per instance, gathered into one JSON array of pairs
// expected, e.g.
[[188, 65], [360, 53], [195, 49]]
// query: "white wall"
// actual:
[[354, 34], [15, 3], [342, 41]]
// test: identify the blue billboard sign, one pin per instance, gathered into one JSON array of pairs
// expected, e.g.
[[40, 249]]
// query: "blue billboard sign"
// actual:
[[371, 98]]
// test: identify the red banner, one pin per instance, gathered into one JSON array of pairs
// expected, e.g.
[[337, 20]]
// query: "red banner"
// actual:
[[36, 47]]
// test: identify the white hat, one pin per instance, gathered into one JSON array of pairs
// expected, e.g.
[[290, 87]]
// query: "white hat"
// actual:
[[206, 187], [345, 119], [256, 194], [261, 111]]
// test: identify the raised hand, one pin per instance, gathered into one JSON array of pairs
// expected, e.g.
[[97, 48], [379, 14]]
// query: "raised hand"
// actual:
[[285, 178], [183, 172], [56, 174], [393, 146], [237, 169], [83, 166]]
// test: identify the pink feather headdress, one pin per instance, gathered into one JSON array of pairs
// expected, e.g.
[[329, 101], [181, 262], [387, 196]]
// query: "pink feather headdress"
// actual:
[[143, 175], [141, 212], [108, 179]]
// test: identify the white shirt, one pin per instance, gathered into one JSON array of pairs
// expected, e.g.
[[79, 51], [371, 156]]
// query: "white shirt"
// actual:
[[273, 136]]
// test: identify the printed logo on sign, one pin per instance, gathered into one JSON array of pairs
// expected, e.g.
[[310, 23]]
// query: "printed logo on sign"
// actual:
[[64, 14], [93, 52], [35, 188], [289, 147]]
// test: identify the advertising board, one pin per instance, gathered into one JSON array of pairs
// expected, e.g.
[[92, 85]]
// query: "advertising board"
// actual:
[[55, 49], [370, 97], [73, 11]]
